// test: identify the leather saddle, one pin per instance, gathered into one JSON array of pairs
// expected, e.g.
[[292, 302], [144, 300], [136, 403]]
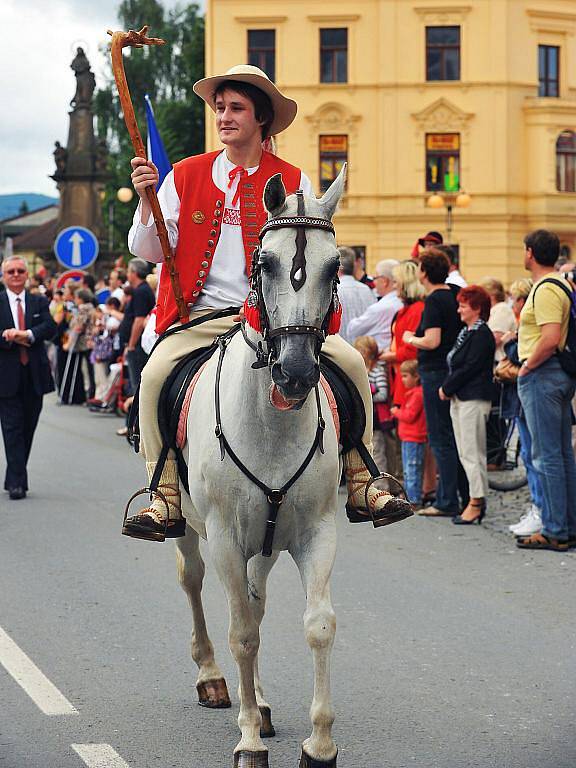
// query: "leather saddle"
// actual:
[[349, 403]]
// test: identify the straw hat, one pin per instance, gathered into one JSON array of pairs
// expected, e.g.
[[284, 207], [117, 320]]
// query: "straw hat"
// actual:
[[284, 109]]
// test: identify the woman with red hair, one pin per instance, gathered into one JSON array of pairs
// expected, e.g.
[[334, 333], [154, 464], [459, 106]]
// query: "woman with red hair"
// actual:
[[468, 386]]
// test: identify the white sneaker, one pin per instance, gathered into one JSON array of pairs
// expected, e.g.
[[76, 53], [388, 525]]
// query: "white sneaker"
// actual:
[[531, 523], [528, 514]]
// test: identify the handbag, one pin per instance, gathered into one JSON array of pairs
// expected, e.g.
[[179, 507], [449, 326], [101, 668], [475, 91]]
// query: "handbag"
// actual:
[[104, 349], [506, 371]]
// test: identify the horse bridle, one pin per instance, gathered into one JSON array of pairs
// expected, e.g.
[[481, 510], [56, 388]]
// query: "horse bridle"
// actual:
[[275, 496], [301, 223]]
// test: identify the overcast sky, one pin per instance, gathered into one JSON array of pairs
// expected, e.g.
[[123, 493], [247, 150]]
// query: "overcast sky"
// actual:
[[39, 40]]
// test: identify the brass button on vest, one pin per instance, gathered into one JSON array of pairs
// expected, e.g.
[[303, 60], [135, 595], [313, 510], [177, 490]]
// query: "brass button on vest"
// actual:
[[199, 283], [195, 294], [201, 273], [218, 203], [198, 217], [205, 264], [210, 243]]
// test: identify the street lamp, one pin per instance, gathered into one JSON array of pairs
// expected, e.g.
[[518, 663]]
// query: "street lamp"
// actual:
[[448, 200], [124, 195]]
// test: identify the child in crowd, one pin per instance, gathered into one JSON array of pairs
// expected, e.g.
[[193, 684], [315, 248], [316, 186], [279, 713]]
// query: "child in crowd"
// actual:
[[378, 378], [412, 430]]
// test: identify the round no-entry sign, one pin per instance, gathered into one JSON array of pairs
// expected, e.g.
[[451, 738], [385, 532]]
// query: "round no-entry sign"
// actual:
[[71, 274]]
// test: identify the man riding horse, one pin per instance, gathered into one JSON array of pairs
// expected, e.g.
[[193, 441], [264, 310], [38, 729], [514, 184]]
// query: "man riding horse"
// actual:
[[212, 205]]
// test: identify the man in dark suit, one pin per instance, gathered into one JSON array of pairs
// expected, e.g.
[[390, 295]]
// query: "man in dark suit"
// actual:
[[25, 324]]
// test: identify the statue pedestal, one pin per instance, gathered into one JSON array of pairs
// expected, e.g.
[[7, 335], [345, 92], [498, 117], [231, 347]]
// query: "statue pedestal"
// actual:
[[81, 144]]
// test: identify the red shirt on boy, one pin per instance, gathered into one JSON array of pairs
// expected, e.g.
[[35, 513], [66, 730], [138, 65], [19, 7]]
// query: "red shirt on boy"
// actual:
[[411, 418]]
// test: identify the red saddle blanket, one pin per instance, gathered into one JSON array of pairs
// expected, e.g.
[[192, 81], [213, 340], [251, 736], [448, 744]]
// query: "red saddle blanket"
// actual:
[[276, 399]]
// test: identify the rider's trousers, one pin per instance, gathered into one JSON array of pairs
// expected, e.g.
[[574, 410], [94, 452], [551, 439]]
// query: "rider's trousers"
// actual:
[[172, 349]]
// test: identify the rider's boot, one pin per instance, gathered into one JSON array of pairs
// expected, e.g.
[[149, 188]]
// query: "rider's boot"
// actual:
[[383, 508], [151, 523]]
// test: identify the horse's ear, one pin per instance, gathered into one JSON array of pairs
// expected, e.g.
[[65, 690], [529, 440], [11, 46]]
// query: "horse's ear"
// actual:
[[329, 201], [274, 195]]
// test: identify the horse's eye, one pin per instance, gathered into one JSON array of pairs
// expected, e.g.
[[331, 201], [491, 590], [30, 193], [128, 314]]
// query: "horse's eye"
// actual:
[[265, 262]]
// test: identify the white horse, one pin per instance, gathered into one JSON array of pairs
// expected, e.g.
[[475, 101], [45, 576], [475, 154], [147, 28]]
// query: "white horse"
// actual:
[[231, 512]]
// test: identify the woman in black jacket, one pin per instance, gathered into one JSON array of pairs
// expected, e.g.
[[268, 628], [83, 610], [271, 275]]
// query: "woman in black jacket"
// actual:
[[433, 339], [468, 386]]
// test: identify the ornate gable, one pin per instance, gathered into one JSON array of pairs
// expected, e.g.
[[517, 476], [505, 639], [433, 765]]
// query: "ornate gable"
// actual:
[[442, 115], [333, 118]]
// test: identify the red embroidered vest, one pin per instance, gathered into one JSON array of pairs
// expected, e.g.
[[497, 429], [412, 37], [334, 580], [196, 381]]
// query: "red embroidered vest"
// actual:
[[200, 220]]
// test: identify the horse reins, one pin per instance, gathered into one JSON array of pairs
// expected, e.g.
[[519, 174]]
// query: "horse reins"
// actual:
[[274, 496]]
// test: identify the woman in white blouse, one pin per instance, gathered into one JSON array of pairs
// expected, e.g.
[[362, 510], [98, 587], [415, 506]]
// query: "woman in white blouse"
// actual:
[[501, 318]]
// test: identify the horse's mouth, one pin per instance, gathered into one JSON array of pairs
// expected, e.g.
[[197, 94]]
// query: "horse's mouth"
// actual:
[[283, 403]]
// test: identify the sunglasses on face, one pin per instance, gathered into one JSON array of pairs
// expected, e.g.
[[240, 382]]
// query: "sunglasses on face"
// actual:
[[15, 272]]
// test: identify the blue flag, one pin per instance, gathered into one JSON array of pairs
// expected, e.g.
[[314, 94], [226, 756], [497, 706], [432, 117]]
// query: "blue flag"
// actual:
[[156, 151]]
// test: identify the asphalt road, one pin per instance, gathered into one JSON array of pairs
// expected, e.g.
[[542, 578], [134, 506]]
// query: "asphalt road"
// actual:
[[453, 649]]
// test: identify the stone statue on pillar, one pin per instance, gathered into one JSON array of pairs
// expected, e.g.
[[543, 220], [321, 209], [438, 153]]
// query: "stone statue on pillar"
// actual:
[[85, 80], [60, 156], [81, 166]]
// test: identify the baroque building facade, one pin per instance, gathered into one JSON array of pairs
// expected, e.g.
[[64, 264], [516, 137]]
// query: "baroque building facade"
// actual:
[[423, 98]]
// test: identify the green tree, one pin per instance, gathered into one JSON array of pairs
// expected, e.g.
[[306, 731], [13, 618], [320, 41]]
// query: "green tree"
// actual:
[[166, 73]]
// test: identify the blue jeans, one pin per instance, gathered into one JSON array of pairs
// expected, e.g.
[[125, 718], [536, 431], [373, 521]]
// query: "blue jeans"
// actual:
[[546, 394], [451, 475], [413, 464], [526, 454]]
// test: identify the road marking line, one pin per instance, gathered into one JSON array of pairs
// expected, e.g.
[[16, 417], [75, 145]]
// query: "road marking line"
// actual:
[[42, 692], [99, 756]]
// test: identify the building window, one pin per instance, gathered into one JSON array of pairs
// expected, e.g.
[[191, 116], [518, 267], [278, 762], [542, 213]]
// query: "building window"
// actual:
[[334, 55], [333, 155], [262, 50], [548, 70], [442, 53], [442, 162], [566, 162]]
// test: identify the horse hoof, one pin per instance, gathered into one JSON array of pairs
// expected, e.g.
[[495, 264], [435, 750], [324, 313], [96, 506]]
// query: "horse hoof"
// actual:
[[309, 762], [244, 759], [266, 729], [213, 694]]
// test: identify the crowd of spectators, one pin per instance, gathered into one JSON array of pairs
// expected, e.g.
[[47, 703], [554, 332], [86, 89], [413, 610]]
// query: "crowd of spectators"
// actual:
[[450, 365], [97, 354]]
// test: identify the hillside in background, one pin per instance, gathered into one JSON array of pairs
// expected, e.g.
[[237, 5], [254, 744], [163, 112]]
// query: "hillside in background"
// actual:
[[10, 204]]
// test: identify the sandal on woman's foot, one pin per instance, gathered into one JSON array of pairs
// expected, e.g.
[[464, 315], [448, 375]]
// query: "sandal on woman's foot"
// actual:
[[539, 541], [433, 512]]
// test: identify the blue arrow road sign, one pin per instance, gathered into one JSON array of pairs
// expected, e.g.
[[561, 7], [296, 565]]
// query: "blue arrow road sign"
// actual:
[[76, 247]]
